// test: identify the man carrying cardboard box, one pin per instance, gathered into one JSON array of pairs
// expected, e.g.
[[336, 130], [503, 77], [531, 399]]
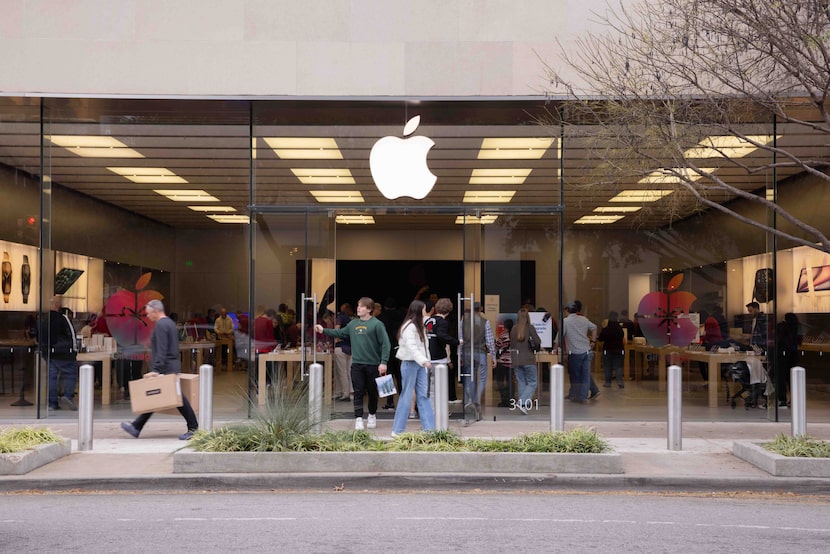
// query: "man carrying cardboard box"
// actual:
[[164, 345]]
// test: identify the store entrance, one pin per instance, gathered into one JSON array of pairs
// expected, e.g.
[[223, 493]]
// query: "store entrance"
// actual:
[[503, 260]]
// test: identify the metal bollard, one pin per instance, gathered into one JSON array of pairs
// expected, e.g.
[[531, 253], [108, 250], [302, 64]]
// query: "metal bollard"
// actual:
[[85, 405], [675, 432], [206, 397], [557, 398], [798, 390], [442, 412], [315, 397]]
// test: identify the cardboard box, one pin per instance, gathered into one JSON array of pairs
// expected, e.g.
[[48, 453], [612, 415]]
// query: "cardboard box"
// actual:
[[154, 394], [190, 388]]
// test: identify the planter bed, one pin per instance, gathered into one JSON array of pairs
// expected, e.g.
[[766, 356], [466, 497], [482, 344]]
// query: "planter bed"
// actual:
[[778, 465], [189, 461], [19, 463]]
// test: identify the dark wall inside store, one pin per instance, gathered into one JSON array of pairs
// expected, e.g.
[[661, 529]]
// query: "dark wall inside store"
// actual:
[[399, 279]]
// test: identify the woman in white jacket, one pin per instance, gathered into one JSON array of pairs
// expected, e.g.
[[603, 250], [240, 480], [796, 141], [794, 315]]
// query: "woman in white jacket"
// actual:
[[414, 356]]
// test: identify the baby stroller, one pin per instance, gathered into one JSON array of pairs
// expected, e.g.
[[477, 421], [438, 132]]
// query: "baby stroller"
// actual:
[[738, 376]]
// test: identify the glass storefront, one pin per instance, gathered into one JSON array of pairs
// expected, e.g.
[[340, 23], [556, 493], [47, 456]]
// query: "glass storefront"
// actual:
[[271, 207]]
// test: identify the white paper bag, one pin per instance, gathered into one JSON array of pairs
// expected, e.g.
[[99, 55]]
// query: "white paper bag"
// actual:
[[386, 386]]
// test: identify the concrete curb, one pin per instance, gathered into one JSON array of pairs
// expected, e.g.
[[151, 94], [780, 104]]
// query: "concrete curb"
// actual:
[[778, 465], [19, 463], [188, 461], [359, 482]]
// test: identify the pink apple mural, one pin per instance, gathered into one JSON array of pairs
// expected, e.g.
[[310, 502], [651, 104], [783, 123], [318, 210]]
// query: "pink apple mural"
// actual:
[[125, 313], [662, 315]]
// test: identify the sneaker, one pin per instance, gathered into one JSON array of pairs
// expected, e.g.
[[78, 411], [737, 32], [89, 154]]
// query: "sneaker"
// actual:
[[394, 434], [413, 415], [187, 436], [388, 406], [54, 407], [358, 424], [620, 386], [372, 423], [128, 427], [522, 409], [607, 385], [593, 395], [67, 404]]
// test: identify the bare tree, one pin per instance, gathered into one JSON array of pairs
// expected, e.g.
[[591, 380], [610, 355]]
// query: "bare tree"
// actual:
[[664, 82]]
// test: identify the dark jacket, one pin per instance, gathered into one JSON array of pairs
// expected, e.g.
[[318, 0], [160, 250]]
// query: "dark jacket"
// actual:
[[438, 333], [57, 340], [165, 347], [612, 338]]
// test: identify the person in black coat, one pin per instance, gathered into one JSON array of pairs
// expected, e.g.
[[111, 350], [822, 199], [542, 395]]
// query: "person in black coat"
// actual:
[[58, 346]]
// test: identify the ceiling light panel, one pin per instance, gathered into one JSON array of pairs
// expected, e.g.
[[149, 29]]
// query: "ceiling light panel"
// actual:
[[94, 146], [638, 195], [324, 176], [212, 209], [185, 195], [304, 148], [617, 209], [519, 148], [497, 196], [337, 196], [598, 219], [499, 176], [229, 218], [471, 219], [727, 146], [148, 175], [355, 219]]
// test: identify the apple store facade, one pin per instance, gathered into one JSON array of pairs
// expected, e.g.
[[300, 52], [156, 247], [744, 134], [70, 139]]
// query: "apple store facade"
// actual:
[[473, 188]]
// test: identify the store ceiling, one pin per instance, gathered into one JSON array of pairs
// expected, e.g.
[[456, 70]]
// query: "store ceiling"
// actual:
[[206, 144]]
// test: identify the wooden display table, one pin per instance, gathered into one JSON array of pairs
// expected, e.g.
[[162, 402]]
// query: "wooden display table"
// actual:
[[296, 359]]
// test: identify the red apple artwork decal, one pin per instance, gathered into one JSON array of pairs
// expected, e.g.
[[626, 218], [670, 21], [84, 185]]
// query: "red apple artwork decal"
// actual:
[[126, 317], [664, 315]]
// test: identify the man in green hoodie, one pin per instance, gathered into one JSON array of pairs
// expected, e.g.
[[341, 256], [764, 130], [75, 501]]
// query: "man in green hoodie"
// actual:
[[370, 352]]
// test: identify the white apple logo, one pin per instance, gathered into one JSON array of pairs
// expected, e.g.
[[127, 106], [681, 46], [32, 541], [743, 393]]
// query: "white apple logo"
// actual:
[[399, 166]]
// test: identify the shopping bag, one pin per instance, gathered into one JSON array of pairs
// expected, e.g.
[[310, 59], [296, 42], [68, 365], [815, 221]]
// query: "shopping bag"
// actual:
[[386, 386]]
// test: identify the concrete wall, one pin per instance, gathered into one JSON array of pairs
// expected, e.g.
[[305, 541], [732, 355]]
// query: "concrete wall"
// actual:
[[285, 47]]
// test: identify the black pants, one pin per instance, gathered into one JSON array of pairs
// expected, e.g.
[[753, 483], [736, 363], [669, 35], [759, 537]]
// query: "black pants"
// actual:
[[185, 409], [363, 382], [393, 368]]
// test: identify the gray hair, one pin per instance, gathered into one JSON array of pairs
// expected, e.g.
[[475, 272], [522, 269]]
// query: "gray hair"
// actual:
[[156, 305]]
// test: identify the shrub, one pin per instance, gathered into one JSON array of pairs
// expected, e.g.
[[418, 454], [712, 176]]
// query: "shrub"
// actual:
[[17, 439], [802, 446]]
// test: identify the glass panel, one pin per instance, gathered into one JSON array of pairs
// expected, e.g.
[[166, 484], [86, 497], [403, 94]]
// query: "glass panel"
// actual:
[[19, 240], [512, 265], [294, 267], [135, 188]]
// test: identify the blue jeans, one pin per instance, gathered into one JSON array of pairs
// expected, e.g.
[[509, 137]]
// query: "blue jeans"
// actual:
[[413, 377], [526, 378], [613, 363], [475, 383], [69, 370], [579, 370]]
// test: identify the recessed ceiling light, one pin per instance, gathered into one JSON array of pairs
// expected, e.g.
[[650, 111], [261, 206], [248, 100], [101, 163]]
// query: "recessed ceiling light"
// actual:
[[598, 219], [637, 195], [672, 175], [148, 174], [212, 209], [471, 219], [518, 148], [617, 209], [219, 218], [355, 219], [94, 146], [337, 195], [185, 195], [502, 196], [323, 176], [727, 146], [499, 176], [304, 148]]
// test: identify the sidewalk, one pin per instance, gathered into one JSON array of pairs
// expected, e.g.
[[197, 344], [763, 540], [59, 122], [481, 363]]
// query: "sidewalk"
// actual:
[[705, 463]]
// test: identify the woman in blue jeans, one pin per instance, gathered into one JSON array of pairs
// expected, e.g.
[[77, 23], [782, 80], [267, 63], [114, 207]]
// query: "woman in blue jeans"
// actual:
[[414, 357], [524, 360]]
